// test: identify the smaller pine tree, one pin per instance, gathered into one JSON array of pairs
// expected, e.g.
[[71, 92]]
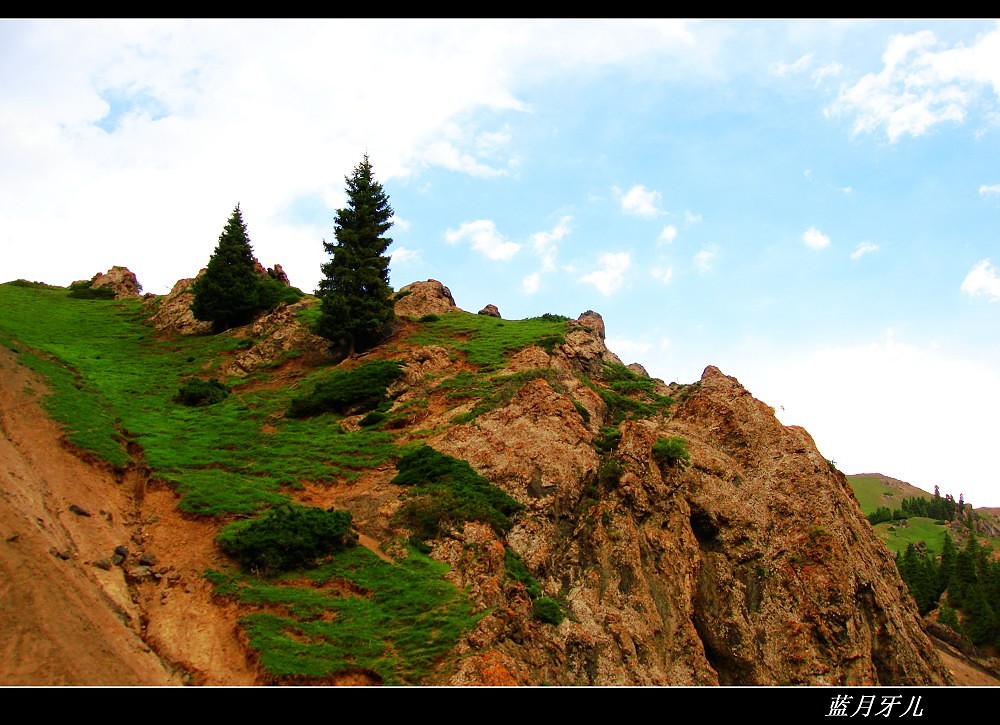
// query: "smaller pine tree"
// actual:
[[227, 294]]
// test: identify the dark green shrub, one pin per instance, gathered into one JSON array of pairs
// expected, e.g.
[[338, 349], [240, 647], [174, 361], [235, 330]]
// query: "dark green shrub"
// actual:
[[287, 537], [549, 342], [196, 393], [373, 418], [448, 491], [430, 318], [91, 293], [273, 292], [349, 391], [582, 410], [672, 451], [517, 571], [609, 473], [607, 439], [548, 610]]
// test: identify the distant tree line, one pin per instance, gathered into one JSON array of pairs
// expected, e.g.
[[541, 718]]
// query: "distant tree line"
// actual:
[[940, 508], [963, 583]]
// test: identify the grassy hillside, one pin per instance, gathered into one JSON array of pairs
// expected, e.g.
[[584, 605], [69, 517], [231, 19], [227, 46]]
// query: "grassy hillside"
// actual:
[[115, 385], [874, 490]]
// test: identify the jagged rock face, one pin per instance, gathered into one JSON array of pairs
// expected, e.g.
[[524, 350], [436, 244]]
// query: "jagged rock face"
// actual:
[[277, 273], [120, 279], [754, 565], [424, 298], [172, 312], [276, 336]]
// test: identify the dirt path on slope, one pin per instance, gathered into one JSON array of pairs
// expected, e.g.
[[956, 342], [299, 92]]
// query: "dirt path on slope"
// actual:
[[69, 614]]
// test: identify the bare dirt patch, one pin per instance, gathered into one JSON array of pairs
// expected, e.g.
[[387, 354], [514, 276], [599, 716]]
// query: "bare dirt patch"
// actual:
[[73, 615]]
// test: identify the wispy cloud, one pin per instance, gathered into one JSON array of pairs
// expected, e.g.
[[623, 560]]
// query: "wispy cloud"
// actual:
[[922, 85], [815, 239], [863, 249], [662, 274], [544, 242], [988, 190], [781, 68], [485, 239], [705, 259], [611, 274], [531, 283], [669, 234], [443, 153], [404, 254], [690, 218], [982, 281], [830, 69], [640, 201]]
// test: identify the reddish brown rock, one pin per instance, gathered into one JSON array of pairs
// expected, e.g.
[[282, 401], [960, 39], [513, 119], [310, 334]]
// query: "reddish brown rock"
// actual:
[[424, 298], [120, 279], [490, 311]]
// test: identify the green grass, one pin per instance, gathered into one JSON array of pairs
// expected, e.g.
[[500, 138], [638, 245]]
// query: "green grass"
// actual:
[[113, 381], [400, 620], [114, 385], [873, 492], [916, 529], [488, 341]]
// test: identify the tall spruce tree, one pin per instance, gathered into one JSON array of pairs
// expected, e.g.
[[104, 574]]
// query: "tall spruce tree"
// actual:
[[228, 293], [356, 299]]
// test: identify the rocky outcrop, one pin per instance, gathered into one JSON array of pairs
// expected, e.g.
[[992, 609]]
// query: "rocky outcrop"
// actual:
[[278, 336], [490, 311], [424, 298], [120, 279], [752, 566], [172, 312]]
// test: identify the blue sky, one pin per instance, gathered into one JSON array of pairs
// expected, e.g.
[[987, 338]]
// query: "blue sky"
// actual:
[[812, 206]]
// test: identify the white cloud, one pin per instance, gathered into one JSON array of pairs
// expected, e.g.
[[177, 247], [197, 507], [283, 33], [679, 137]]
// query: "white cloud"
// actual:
[[989, 189], [846, 189], [404, 254], [443, 153], [544, 242], [830, 69], [863, 249], [669, 234], [628, 350], [531, 283], [690, 218], [808, 174], [782, 68], [704, 259], [663, 275], [815, 239], [485, 239], [982, 281], [611, 274], [922, 84], [640, 201]]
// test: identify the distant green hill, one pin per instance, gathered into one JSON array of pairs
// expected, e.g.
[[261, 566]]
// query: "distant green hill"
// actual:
[[874, 490]]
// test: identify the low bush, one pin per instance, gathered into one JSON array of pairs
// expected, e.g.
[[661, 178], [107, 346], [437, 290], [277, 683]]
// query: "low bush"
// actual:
[[91, 293], [548, 610], [517, 571], [448, 491], [359, 390], [610, 471], [287, 537], [672, 451], [196, 393], [273, 292]]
